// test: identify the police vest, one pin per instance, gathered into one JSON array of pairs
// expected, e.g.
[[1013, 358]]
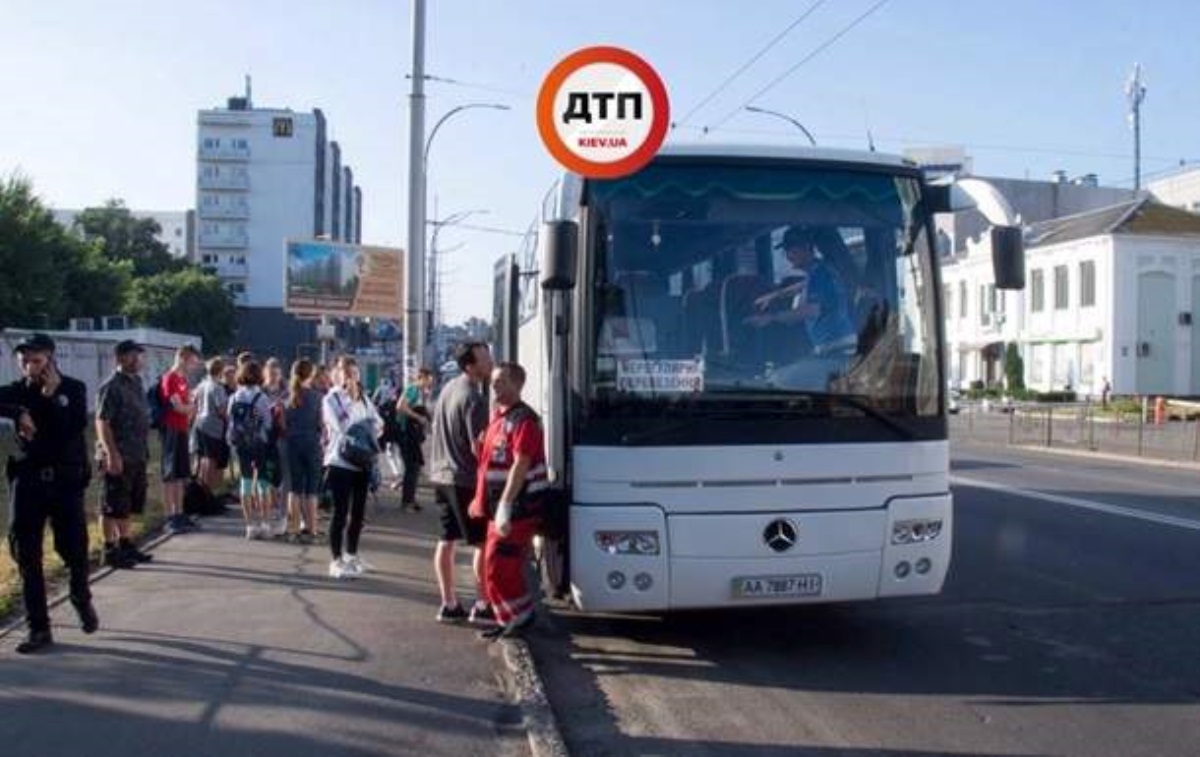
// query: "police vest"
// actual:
[[500, 460]]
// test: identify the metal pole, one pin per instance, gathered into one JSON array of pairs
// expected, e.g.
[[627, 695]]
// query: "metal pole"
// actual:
[[785, 117], [1049, 427], [1142, 423], [1012, 426], [1196, 438], [414, 306]]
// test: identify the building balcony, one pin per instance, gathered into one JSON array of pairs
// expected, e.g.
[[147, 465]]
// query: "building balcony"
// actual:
[[225, 181], [225, 211], [226, 270], [224, 240], [224, 153]]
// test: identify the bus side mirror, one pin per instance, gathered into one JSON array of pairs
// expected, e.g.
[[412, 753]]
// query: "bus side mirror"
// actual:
[[1008, 257], [561, 254]]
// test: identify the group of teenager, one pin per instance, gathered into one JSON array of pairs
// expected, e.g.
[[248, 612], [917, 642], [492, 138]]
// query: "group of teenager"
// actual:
[[320, 432]]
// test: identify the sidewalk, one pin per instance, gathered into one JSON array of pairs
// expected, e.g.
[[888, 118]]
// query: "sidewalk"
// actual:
[[227, 647]]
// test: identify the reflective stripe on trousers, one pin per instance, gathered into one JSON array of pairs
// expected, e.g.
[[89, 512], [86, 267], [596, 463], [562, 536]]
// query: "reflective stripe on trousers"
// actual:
[[505, 560]]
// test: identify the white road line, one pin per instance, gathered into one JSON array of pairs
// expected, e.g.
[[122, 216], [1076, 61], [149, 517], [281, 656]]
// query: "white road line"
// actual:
[[1084, 504]]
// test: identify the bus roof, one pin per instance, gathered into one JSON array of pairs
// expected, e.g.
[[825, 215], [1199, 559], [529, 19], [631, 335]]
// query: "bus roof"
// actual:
[[788, 152]]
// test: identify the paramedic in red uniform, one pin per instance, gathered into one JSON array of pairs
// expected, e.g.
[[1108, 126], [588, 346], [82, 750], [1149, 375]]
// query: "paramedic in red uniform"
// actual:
[[509, 494]]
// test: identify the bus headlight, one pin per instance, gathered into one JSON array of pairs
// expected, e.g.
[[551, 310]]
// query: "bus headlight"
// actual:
[[628, 542], [916, 531]]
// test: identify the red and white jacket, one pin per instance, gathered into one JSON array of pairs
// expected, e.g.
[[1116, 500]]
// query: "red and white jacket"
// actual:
[[516, 430]]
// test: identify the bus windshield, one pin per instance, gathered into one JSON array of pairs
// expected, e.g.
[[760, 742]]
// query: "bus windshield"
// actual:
[[721, 282]]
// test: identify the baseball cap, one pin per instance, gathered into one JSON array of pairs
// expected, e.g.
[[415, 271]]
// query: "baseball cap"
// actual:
[[126, 346], [794, 236], [35, 343]]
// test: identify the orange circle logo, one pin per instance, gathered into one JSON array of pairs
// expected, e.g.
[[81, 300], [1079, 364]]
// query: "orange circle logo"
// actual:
[[602, 112]]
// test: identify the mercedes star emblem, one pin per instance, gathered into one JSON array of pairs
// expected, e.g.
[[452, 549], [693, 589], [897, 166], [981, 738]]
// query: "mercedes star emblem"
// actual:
[[780, 535]]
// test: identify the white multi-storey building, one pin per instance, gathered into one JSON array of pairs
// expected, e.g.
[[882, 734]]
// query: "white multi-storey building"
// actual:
[[264, 175], [1181, 189], [1109, 294], [175, 226]]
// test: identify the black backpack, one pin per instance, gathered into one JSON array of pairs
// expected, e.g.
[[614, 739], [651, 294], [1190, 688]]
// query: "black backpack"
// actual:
[[157, 404], [198, 500]]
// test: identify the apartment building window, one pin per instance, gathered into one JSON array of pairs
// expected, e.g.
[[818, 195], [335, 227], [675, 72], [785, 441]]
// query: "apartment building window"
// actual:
[[212, 142], [210, 172], [1087, 283], [962, 299], [240, 144], [948, 299], [1061, 300], [1037, 290], [281, 127], [985, 311]]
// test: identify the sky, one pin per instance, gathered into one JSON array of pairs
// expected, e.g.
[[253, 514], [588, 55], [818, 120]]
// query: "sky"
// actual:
[[99, 100]]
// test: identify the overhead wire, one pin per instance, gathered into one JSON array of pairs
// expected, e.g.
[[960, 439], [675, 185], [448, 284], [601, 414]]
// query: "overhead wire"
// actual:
[[753, 59], [830, 42]]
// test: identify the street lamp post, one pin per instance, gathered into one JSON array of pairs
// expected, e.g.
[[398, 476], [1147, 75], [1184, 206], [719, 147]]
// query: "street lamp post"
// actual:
[[418, 330], [434, 283], [785, 117]]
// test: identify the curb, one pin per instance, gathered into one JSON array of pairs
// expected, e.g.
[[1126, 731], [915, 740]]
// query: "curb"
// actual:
[[520, 679], [1108, 457], [18, 620]]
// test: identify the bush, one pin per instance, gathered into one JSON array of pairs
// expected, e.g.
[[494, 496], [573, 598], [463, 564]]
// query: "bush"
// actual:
[[1062, 396]]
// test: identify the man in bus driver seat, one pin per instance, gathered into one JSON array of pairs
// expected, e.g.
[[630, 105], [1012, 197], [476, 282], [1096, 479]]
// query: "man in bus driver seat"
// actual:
[[819, 299]]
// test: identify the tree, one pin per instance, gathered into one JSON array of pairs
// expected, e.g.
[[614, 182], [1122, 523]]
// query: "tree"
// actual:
[[1014, 368], [35, 256], [94, 284], [124, 237], [189, 301]]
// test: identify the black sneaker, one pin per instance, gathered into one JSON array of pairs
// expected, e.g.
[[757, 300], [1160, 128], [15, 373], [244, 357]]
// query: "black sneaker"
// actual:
[[88, 620], [115, 557], [35, 641], [137, 555], [455, 614], [482, 615]]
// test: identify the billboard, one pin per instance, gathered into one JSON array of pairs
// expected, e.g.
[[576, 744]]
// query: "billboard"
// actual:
[[334, 278]]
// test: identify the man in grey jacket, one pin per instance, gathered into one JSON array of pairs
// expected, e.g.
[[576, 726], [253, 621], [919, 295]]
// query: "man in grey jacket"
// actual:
[[459, 420]]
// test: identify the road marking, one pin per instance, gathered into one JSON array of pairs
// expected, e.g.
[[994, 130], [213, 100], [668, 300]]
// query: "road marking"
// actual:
[[1084, 504]]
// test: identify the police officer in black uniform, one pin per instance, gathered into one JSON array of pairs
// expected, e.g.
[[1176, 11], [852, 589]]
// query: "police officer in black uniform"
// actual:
[[47, 483]]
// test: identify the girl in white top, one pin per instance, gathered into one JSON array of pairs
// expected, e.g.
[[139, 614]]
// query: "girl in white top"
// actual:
[[342, 407]]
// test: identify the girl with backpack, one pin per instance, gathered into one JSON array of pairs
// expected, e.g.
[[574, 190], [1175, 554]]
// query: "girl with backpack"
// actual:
[[249, 416], [352, 427], [302, 433]]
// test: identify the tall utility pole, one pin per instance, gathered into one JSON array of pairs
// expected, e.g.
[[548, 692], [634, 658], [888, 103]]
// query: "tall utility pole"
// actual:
[[1136, 92], [414, 315]]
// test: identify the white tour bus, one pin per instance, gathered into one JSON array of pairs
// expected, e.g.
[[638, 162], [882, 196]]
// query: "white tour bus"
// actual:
[[731, 421]]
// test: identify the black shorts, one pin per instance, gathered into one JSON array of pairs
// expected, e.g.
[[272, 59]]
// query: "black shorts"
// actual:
[[176, 460], [125, 495], [214, 448], [457, 525]]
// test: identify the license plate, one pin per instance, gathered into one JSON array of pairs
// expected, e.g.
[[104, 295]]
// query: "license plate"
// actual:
[[761, 587]]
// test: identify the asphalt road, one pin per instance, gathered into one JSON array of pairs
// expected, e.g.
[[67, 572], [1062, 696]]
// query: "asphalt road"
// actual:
[[1069, 625], [228, 648]]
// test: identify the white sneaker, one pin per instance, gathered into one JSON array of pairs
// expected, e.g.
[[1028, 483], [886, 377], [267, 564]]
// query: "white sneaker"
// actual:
[[279, 527], [262, 531], [339, 570], [251, 532], [355, 564]]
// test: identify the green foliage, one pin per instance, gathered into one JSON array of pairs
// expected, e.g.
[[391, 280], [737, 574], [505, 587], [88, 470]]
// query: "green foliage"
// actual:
[[1063, 396], [1014, 369], [35, 255], [123, 237], [188, 301], [94, 284]]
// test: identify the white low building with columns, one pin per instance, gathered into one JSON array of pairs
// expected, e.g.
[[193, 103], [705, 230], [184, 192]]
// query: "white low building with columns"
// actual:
[[1110, 294]]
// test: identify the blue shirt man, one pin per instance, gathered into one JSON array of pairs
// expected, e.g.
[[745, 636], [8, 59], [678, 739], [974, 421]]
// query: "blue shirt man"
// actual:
[[820, 299]]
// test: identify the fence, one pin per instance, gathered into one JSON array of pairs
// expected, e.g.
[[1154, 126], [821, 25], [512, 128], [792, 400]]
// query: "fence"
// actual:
[[1086, 427]]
